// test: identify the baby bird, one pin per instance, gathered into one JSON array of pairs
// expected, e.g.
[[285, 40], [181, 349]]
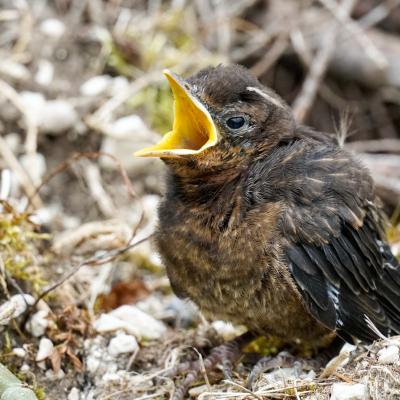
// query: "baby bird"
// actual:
[[267, 223]]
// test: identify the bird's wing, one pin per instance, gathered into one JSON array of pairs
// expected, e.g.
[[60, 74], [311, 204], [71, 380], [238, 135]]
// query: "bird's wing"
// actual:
[[335, 246], [351, 283]]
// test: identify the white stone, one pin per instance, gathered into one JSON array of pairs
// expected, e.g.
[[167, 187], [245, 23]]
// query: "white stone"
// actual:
[[98, 361], [14, 70], [74, 394], [54, 376], [282, 375], [45, 73], [35, 103], [132, 320], [25, 368], [35, 166], [130, 127], [38, 323], [108, 323], [226, 329], [139, 323], [388, 355], [57, 116], [122, 343], [46, 349], [19, 352], [96, 85], [111, 377], [14, 307], [53, 116], [118, 84], [348, 348], [347, 391], [52, 27], [13, 141]]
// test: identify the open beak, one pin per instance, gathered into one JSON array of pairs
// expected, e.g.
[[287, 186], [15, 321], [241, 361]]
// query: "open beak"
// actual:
[[193, 130]]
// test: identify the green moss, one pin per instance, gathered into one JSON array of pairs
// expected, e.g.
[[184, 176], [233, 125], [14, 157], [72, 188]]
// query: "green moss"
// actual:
[[40, 393], [156, 103], [265, 345], [19, 240]]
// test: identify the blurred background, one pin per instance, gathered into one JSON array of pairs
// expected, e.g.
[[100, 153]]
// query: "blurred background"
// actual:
[[81, 88]]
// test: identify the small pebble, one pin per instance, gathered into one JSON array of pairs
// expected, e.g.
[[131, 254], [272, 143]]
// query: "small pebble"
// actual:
[[139, 323], [45, 73], [98, 360], [388, 355], [19, 352], [25, 368], [95, 85], [122, 343], [52, 27], [34, 102], [38, 323], [128, 127], [57, 116], [347, 391], [14, 307], [14, 70], [35, 166], [132, 320], [226, 329], [111, 377], [46, 349], [74, 394]]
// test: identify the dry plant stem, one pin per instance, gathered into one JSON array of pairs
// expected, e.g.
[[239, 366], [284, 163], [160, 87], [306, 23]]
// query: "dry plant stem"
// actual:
[[5, 182], [333, 365], [227, 353], [269, 59], [110, 256], [355, 30], [32, 131], [378, 13], [91, 156], [21, 174], [305, 99], [304, 53], [93, 180], [375, 146], [72, 239], [104, 113], [25, 32]]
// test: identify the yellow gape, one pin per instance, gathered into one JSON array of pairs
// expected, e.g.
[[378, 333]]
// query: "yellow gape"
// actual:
[[193, 130]]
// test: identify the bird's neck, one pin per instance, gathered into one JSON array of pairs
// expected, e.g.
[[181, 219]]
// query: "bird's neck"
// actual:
[[204, 188]]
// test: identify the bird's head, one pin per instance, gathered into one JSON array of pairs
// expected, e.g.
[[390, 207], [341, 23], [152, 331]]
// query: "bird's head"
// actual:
[[221, 115]]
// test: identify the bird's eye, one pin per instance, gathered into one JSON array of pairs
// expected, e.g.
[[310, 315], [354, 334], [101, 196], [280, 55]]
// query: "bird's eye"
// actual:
[[235, 122]]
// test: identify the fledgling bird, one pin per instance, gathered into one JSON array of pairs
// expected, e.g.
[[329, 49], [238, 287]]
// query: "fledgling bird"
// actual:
[[270, 224]]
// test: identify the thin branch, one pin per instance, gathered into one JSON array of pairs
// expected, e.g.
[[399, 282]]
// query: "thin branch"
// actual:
[[93, 261], [91, 156], [375, 146], [32, 130], [93, 179], [271, 56], [23, 178], [355, 30], [305, 99]]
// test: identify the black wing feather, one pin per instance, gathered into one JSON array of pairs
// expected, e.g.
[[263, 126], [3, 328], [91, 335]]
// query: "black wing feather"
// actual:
[[352, 278]]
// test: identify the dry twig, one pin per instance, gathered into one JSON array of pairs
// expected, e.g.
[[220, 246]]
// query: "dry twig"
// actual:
[[20, 173], [305, 99]]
